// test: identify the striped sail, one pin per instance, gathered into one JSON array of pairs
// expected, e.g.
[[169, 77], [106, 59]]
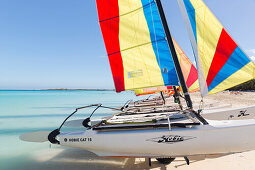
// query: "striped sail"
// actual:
[[221, 62], [153, 90], [189, 73], [188, 69], [135, 42]]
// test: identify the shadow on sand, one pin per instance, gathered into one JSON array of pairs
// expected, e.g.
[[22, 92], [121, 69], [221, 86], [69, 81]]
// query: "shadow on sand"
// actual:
[[62, 158]]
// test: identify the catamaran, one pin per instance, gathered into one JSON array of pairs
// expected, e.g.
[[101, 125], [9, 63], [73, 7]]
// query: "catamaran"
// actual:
[[136, 35]]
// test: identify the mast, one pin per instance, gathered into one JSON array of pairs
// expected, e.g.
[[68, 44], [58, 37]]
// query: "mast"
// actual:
[[174, 55], [177, 64]]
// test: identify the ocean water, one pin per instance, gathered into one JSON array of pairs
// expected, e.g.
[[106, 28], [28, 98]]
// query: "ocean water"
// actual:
[[23, 111]]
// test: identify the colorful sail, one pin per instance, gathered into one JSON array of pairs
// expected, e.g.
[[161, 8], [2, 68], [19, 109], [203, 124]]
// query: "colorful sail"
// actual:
[[135, 42], [189, 73], [188, 69], [153, 90], [220, 61]]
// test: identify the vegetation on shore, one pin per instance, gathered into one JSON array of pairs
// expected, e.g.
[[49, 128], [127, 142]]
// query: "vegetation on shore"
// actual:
[[248, 86]]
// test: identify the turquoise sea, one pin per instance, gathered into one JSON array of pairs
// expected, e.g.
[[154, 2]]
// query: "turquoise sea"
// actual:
[[23, 111]]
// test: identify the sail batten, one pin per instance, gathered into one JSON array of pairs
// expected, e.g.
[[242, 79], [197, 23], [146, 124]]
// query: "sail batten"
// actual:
[[220, 61], [135, 42], [151, 42]]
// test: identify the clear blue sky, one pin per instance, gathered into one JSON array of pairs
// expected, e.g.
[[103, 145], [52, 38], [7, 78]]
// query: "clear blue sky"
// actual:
[[58, 43]]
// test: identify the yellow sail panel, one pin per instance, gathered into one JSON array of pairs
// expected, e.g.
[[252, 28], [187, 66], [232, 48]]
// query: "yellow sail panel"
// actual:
[[141, 66], [138, 73], [194, 87]]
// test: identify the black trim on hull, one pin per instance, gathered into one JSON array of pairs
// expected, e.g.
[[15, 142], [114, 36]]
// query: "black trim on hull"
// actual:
[[143, 126]]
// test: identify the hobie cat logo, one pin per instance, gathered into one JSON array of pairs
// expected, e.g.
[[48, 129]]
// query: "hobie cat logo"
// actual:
[[243, 113], [170, 139]]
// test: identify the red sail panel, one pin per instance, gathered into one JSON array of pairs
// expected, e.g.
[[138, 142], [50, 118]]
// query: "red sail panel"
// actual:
[[108, 14], [192, 78], [225, 48]]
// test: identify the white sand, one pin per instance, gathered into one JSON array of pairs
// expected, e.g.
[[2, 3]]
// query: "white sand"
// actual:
[[226, 97], [63, 158]]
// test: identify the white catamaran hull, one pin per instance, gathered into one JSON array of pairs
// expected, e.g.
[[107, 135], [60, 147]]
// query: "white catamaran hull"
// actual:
[[230, 113], [217, 138]]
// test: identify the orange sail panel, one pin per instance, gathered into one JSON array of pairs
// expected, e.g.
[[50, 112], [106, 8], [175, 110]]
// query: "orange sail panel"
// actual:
[[188, 69], [220, 61], [135, 42]]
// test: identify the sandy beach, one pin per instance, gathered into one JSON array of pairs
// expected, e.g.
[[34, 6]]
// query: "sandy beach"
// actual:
[[60, 158], [57, 157]]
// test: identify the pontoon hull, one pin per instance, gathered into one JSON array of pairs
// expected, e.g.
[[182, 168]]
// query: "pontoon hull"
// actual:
[[238, 113], [217, 138]]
